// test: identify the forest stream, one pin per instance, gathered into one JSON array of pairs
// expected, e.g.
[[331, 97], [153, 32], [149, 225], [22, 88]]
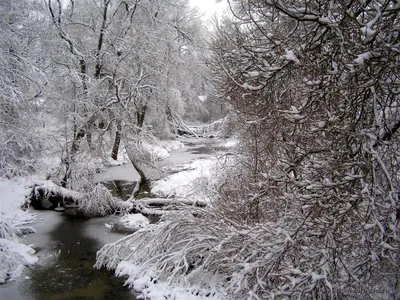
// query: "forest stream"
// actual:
[[66, 245]]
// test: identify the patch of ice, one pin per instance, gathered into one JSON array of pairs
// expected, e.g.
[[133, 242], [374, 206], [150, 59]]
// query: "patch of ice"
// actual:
[[125, 172]]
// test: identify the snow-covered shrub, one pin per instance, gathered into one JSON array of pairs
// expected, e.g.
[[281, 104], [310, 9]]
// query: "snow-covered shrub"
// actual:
[[173, 252], [100, 202], [94, 198], [81, 176], [13, 254], [231, 259], [6, 230], [320, 133]]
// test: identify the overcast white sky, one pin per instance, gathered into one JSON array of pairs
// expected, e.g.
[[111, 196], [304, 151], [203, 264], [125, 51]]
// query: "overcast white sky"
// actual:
[[209, 7]]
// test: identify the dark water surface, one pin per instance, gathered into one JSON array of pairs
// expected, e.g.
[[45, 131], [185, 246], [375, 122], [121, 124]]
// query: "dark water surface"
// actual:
[[120, 188], [65, 269]]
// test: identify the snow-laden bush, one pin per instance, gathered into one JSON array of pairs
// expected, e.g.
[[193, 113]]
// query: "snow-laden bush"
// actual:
[[94, 198], [6, 231], [320, 133], [172, 252], [13, 255], [216, 256], [100, 202]]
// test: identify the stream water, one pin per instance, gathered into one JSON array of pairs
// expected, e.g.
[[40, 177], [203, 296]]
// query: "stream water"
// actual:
[[194, 149], [66, 245]]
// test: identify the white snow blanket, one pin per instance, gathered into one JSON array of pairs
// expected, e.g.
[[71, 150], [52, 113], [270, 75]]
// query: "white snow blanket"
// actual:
[[192, 183]]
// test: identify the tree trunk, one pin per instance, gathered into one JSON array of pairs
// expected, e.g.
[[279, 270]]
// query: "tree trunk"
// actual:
[[143, 184], [89, 139], [117, 141], [80, 134], [140, 115]]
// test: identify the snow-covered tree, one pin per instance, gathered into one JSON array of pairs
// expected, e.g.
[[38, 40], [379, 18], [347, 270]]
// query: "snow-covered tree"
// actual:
[[316, 85], [119, 69], [311, 211], [21, 86]]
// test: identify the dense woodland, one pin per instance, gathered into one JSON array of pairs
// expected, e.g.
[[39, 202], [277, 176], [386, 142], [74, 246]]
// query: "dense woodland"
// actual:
[[309, 206], [84, 76]]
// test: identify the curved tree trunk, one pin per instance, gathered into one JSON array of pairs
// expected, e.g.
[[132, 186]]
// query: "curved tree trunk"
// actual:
[[143, 184]]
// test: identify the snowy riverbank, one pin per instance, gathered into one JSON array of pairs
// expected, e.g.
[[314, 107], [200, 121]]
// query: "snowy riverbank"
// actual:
[[194, 172], [14, 223], [190, 175]]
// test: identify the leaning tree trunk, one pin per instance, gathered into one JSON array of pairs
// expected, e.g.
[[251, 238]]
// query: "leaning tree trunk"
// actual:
[[143, 184]]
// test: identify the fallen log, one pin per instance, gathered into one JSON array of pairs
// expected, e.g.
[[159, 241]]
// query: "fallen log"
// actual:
[[160, 206], [47, 195], [159, 202]]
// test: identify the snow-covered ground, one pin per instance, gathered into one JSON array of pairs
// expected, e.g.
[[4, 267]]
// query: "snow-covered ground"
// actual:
[[160, 149], [195, 177], [191, 181], [14, 222], [159, 290]]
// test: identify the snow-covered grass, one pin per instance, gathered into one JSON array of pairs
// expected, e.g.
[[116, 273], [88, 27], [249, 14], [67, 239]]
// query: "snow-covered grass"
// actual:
[[14, 255]]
